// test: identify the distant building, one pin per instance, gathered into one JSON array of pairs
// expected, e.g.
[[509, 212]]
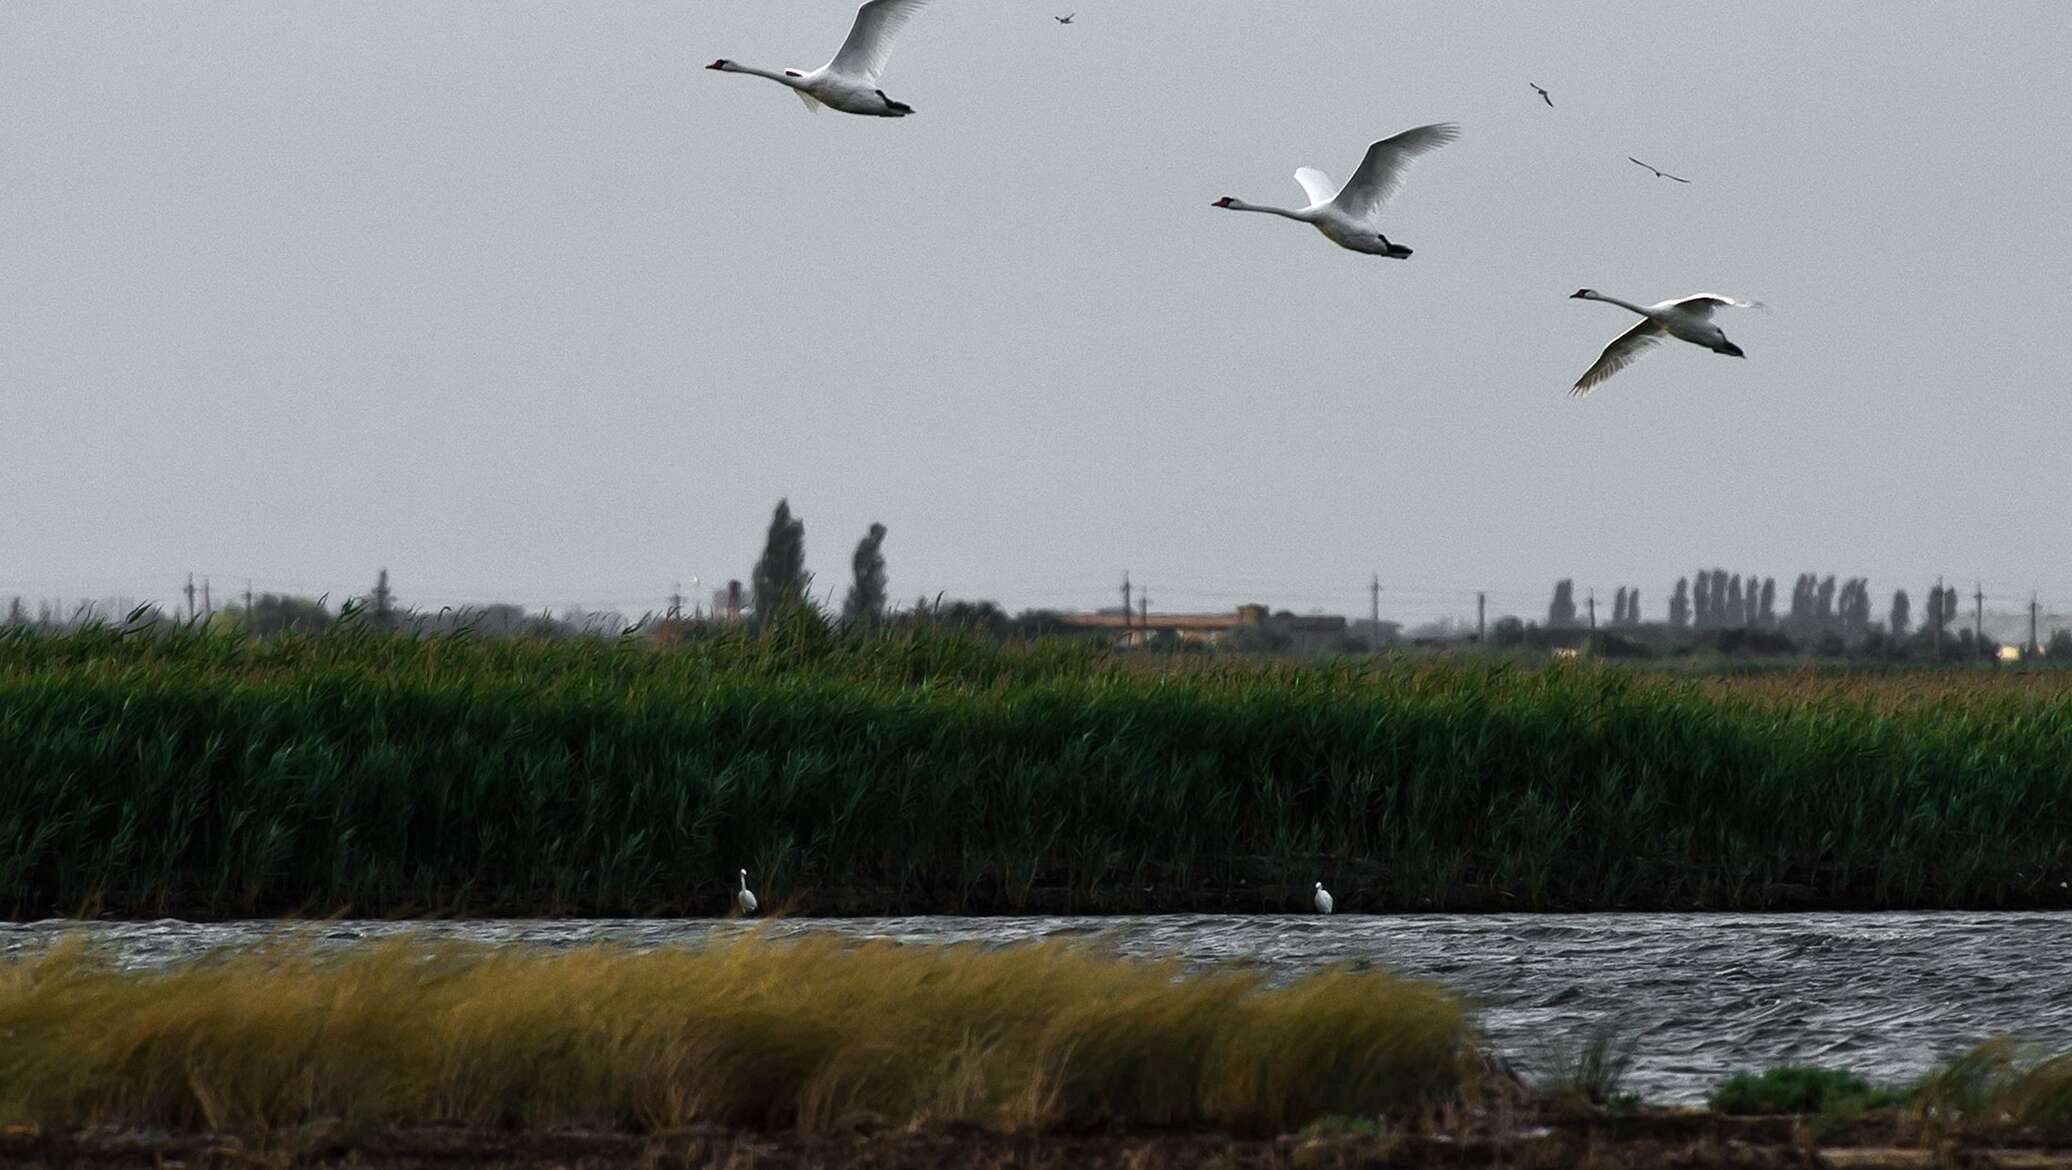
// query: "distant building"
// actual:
[[1375, 633], [728, 603], [1303, 632], [1309, 631], [1133, 629]]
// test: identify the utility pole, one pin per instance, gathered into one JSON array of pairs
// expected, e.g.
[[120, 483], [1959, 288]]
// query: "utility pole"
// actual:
[[1978, 620], [1374, 605], [1144, 609], [248, 601], [676, 603], [1481, 611], [1125, 599], [208, 606], [190, 596], [2033, 647], [1592, 601]]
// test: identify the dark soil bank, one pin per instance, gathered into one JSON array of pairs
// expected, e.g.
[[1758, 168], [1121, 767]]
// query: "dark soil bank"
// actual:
[[1654, 1139]]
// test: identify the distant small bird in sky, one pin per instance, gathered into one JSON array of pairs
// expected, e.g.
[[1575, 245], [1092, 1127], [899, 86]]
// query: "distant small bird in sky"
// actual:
[[1065, 19], [1660, 174], [1543, 95]]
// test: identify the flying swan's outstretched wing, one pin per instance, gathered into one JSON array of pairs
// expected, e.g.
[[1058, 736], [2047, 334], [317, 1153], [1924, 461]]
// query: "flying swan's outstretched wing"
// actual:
[[1702, 304], [1317, 185], [1624, 350], [1381, 172], [870, 40]]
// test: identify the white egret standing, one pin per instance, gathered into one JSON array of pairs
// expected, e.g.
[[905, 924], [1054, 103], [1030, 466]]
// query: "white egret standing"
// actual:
[[1323, 899], [744, 899]]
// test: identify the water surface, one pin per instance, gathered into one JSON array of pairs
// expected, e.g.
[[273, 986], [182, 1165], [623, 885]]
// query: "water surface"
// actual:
[[1701, 994]]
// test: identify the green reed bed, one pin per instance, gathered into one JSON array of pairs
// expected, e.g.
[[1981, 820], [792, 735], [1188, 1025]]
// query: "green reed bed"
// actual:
[[198, 773]]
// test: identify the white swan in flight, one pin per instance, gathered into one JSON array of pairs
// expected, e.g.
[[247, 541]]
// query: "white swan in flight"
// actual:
[[744, 899], [849, 83], [1323, 899], [1686, 319], [1348, 216]]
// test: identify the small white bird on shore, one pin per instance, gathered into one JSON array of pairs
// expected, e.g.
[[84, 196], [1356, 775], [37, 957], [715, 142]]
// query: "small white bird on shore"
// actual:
[[1323, 899], [744, 899]]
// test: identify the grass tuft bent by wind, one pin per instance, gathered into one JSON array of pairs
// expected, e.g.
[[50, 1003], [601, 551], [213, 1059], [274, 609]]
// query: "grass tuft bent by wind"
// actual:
[[812, 1033]]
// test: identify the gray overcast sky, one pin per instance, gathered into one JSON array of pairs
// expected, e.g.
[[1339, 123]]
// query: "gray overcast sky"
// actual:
[[518, 301]]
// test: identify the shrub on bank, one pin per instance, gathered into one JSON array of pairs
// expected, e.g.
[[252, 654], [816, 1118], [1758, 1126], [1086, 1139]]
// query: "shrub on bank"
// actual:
[[1795, 1088]]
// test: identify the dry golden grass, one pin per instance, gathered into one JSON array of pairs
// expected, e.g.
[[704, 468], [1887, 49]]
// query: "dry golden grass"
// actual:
[[813, 1033], [1894, 690], [1878, 687], [1999, 1086]]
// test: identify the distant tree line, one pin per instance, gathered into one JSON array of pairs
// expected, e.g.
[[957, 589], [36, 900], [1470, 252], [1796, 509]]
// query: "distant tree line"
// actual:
[[1732, 611], [1561, 612], [1826, 614]]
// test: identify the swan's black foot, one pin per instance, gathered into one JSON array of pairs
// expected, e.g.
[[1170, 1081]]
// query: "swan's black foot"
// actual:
[[1395, 251]]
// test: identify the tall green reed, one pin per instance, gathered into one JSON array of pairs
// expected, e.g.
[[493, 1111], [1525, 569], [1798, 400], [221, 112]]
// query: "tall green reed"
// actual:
[[199, 773]]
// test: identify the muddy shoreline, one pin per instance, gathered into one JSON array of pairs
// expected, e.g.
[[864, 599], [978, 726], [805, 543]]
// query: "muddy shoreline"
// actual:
[[1648, 1138]]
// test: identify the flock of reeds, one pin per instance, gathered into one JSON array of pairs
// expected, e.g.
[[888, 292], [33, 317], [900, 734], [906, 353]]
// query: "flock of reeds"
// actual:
[[201, 773], [809, 1034]]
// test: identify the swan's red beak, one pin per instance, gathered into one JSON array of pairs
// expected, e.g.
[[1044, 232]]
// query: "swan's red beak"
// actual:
[[719, 64], [1223, 202]]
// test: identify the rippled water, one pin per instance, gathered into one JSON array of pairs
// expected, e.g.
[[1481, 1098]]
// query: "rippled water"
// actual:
[[1704, 995]]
